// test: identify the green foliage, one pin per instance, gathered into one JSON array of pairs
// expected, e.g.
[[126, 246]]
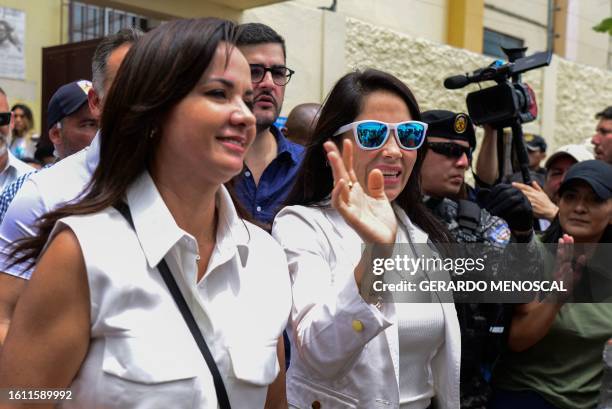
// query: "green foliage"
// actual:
[[605, 26]]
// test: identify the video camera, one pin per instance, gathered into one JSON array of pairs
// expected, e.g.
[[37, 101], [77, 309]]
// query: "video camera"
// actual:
[[510, 103], [502, 104]]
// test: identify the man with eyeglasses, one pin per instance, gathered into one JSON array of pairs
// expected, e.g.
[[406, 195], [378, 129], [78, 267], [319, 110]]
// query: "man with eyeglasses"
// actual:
[[602, 140], [272, 161], [10, 167], [450, 143]]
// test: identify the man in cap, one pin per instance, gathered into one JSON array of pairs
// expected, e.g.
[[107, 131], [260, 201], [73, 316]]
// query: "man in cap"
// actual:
[[544, 199], [536, 150], [449, 146], [450, 143], [602, 140], [72, 127]]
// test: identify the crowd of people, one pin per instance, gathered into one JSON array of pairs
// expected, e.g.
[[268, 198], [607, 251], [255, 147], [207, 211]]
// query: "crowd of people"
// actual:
[[182, 251]]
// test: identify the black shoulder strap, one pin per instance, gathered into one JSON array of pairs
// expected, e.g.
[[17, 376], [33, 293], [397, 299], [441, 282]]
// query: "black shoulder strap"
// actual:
[[468, 214], [164, 270]]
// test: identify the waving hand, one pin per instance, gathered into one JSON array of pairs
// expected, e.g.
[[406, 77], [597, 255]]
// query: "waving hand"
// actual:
[[368, 212]]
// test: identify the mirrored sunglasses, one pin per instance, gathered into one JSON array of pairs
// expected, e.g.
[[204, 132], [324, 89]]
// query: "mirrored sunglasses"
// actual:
[[371, 134]]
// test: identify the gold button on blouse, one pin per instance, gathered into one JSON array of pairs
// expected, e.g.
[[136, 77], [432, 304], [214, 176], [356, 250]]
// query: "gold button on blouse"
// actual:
[[357, 325]]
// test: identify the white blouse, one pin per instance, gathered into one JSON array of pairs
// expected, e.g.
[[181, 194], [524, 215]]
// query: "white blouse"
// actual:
[[345, 352], [141, 353], [420, 329]]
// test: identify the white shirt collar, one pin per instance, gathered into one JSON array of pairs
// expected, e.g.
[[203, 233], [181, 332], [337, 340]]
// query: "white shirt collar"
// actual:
[[20, 166], [158, 232], [92, 157]]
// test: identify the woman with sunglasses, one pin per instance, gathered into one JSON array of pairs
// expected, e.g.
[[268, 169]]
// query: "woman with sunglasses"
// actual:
[[359, 185]]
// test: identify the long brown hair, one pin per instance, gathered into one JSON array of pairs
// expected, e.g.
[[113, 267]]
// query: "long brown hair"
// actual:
[[315, 181], [156, 74]]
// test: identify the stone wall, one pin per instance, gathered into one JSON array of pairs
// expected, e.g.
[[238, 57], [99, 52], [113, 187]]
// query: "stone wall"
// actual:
[[582, 91], [575, 91]]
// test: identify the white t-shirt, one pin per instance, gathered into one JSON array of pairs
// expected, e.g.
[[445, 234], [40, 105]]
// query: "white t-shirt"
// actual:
[[345, 352], [41, 193], [142, 354]]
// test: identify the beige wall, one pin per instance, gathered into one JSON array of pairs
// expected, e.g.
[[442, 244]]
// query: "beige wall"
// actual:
[[582, 44], [419, 18], [534, 36], [315, 38], [42, 29], [582, 91], [587, 46]]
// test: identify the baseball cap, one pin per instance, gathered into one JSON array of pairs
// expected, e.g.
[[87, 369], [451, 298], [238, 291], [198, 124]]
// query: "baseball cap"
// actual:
[[451, 125], [578, 152], [606, 113], [534, 142], [597, 173], [67, 100]]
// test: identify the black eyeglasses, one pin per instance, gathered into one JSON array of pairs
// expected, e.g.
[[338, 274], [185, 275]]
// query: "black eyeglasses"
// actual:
[[451, 150], [5, 118], [280, 74]]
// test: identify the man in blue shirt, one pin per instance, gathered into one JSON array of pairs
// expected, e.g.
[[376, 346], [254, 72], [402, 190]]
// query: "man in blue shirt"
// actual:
[[272, 161]]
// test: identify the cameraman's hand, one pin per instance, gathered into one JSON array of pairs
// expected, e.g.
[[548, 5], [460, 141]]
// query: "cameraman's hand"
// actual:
[[511, 205], [489, 131], [542, 206]]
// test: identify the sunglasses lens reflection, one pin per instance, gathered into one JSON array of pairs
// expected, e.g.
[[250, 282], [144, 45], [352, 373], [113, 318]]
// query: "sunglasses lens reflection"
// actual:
[[410, 135], [372, 134]]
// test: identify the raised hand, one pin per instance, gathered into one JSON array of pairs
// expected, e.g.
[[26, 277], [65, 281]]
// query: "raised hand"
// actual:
[[365, 208], [565, 270]]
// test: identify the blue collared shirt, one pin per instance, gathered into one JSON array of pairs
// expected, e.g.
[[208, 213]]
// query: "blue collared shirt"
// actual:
[[264, 200]]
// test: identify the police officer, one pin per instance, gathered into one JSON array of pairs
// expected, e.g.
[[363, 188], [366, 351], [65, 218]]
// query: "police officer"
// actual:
[[450, 143]]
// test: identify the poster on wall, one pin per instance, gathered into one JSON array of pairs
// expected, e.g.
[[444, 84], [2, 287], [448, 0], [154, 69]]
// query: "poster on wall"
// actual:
[[12, 35]]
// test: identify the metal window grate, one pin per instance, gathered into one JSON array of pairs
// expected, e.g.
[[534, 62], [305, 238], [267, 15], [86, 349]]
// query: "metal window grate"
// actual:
[[87, 21]]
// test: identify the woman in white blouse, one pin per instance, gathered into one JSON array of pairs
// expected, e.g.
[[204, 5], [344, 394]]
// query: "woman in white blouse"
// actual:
[[97, 316], [359, 183]]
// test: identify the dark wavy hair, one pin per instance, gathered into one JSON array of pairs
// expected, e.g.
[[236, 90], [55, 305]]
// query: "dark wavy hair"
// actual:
[[315, 181], [159, 70], [27, 113]]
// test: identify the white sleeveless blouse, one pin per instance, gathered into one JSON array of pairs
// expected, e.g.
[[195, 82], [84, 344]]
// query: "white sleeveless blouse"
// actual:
[[142, 354]]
